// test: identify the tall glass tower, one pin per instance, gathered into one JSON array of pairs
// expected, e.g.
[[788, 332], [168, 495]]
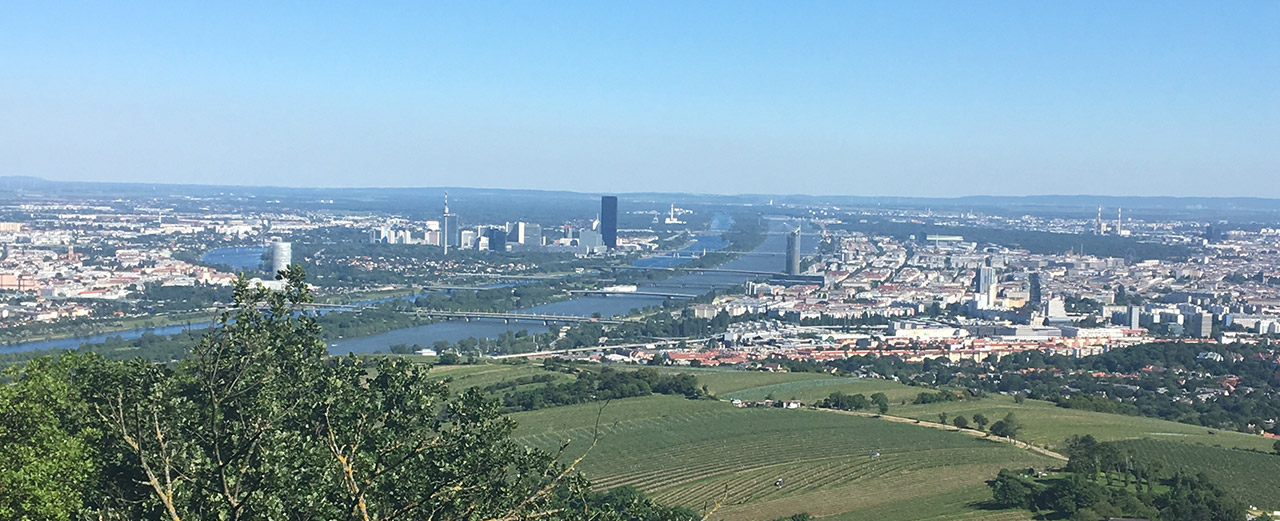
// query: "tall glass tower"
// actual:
[[609, 221], [793, 252]]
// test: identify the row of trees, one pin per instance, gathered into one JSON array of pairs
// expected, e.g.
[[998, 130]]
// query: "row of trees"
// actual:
[[855, 402], [607, 384]]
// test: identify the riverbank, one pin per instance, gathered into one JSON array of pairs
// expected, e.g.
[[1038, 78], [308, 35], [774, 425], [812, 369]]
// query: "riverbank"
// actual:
[[554, 292]]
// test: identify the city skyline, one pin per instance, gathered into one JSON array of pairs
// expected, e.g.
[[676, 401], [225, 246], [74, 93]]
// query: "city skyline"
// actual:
[[928, 100]]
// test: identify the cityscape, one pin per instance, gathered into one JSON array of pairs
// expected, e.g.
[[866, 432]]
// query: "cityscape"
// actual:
[[670, 261]]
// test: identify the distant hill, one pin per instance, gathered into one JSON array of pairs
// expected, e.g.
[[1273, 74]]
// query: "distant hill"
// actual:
[[1234, 208]]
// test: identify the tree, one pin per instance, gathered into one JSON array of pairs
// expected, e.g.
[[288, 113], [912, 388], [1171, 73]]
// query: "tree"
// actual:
[[881, 401], [46, 461], [961, 422], [981, 421], [942, 418], [1010, 490], [1008, 427], [1082, 454]]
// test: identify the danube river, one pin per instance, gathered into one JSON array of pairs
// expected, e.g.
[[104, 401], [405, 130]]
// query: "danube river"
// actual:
[[769, 256], [766, 257]]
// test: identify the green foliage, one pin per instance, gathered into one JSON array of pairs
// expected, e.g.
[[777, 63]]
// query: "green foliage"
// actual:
[[935, 397], [45, 445], [1246, 475], [1073, 496], [845, 402], [881, 401], [607, 384], [1008, 427], [259, 423]]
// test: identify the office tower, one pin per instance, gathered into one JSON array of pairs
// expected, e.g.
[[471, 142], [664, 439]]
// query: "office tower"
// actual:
[[516, 232], [1199, 325], [793, 252], [533, 234], [497, 239], [1134, 318], [609, 221], [467, 239], [984, 280], [281, 255], [449, 233], [1035, 291]]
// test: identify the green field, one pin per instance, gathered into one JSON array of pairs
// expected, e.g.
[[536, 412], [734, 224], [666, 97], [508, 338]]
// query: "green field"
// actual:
[[1047, 424], [1248, 476], [687, 452], [467, 376]]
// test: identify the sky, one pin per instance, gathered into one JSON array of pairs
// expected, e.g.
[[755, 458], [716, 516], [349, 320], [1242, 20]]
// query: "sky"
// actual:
[[913, 98]]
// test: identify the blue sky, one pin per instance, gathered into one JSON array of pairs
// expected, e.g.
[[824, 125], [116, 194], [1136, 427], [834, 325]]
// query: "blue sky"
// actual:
[[867, 98]]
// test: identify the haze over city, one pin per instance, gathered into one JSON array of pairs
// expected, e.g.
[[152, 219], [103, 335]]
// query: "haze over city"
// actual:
[[905, 99]]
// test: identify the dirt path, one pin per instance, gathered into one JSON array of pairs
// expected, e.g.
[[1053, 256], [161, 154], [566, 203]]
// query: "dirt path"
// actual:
[[935, 425]]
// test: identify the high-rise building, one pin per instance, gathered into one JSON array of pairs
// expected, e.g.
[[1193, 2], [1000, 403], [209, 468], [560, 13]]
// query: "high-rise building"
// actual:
[[1035, 293], [609, 221], [497, 239], [1133, 318], [281, 255], [451, 235], [1199, 325], [984, 280], [793, 252]]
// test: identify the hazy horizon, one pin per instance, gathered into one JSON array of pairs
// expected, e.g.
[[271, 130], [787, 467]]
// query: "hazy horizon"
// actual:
[[929, 99]]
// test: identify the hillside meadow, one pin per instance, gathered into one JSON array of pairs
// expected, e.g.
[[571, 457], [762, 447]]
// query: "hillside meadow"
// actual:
[[696, 453]]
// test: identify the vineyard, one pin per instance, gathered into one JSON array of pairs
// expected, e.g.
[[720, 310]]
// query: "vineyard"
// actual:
[[774, 462], [1248, 476]]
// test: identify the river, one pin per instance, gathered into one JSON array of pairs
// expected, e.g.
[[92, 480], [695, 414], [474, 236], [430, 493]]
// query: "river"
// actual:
[[766, 257]]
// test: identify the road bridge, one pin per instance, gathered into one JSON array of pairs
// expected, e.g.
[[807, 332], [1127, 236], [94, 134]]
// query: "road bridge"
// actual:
[[513, 316], [651, 345], [605, 293], [700, 270]]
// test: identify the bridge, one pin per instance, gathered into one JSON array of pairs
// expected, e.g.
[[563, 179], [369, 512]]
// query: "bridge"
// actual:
[[510, 317], [700, 270], [551, 352], [468, 316], [605, 293]]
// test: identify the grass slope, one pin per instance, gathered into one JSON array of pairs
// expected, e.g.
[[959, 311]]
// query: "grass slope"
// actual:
[[1248, 476], [689, 453], [1046, 424]]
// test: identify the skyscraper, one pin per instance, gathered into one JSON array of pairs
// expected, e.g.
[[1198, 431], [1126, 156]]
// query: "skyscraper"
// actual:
[[1133, 318], [793, 252], [450, 235], [1199, 325], [497, 239], [985, 278], [281, 255], [1035, 293], [609, 221]]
